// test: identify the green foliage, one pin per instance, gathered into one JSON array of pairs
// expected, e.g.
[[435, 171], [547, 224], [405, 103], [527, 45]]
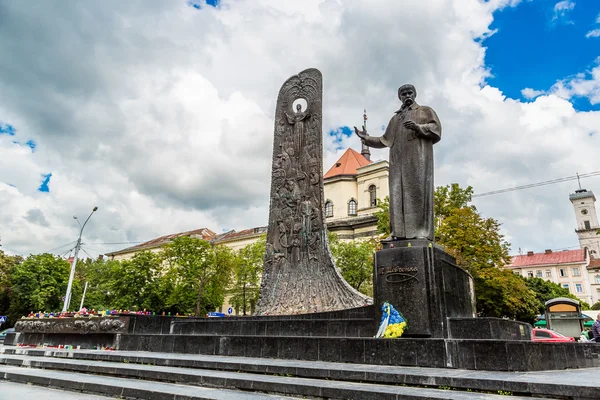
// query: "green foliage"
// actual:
[[596, 306], [355, 261], [383, 216], [38, 284], [247, 273], [198, 275], [449, 198], [474, 241], [100, 275], [502, 294], [545, 290], [480, 248], [135, 284], [7, 263]]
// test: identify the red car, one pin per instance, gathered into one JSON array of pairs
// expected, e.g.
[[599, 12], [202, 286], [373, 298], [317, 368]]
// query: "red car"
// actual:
[[549, 336]]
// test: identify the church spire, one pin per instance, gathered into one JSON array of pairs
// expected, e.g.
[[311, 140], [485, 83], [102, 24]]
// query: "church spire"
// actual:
[[365, 149]]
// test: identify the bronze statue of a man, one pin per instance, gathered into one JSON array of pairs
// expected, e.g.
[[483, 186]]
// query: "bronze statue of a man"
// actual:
[[410, 135]]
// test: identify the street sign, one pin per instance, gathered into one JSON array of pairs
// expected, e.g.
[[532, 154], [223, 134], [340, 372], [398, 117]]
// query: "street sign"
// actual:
[[2, 319], [213, 314], [230, 311], [63, 298]]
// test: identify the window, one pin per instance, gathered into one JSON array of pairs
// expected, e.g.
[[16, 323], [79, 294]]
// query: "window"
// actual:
[[328, 209], [578, 288], [538, 273], [352, 207], [530, 274], [597, 278], [565, 285], [587, 224], [563, 272], [541, 334], [575, 271], [373, 196], [548, 273]]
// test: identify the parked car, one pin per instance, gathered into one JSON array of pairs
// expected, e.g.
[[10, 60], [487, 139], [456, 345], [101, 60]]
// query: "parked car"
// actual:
[[549, 336], [4, 332]]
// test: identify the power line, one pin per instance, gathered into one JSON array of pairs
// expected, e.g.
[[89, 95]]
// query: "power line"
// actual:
[[60, 247], [544, 183]]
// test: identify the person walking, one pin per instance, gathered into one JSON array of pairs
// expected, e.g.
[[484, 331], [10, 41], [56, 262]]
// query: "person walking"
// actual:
[[596, 329]]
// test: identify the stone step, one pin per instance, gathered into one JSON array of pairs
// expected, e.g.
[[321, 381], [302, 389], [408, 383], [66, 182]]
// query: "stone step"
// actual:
[[122, 388], [585, 382], [74, 374]]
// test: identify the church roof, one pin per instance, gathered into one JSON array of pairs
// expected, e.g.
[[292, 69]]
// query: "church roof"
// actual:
[[547, 258], [347, 164]]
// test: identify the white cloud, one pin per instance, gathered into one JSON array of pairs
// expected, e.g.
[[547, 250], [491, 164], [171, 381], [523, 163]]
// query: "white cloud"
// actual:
[[562, 10], [593, 33], [565, 5], [585, 84], [161, 114], [530, 93]]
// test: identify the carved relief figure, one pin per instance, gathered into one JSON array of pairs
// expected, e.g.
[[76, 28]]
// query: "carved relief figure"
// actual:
[[299, 275]]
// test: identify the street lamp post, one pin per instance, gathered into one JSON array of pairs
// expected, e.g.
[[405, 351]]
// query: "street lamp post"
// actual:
[[72, 275]]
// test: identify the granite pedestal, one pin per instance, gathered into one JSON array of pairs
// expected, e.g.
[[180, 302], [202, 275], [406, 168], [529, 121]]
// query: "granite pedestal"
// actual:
[[424, 283]]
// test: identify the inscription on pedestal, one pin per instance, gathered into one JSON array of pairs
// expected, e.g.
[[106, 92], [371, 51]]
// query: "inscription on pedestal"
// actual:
[[397, 274], [425, 285]]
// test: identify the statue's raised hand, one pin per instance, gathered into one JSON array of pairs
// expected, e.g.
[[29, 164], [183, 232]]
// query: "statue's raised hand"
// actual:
[[361, 134]]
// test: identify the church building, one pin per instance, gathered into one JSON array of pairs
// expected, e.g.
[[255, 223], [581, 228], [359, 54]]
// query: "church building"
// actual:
[[353, 186]]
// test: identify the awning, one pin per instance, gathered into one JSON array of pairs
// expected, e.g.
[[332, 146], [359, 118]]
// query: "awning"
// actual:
[[540, 323]]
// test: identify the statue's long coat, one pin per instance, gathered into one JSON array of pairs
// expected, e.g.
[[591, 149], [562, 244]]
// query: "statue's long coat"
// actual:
[[411, 171]]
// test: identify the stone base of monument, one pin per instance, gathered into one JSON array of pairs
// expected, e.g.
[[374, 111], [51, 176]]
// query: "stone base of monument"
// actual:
[[417, 277], [435, 296], [339, 336]]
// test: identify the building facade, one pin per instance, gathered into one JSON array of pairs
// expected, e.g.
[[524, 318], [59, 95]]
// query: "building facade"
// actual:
[[353, 186], [567, 268]]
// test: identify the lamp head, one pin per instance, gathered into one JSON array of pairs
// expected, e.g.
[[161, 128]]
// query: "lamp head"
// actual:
[[95, 208]]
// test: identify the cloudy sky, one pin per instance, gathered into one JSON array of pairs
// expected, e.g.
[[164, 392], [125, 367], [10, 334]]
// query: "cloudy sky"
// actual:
[[161, 112]]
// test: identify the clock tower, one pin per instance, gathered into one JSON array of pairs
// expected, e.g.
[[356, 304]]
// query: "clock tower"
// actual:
[[584, 203]]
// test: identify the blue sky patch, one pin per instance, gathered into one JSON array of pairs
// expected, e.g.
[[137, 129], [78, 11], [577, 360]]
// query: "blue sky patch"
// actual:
[[7, 129], [540, 42], [44, 186], [32, 144], [339, 134], [197, 4]]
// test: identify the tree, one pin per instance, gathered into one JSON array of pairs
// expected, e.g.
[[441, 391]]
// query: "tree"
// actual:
[[135, 284], [596, 306], [198, 274], [247, 273], [545, 290], [355, 261], [474, 241], [38, 284], [449, 198], [100, 275], [383, 216], [7, 263], [501, 293]]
